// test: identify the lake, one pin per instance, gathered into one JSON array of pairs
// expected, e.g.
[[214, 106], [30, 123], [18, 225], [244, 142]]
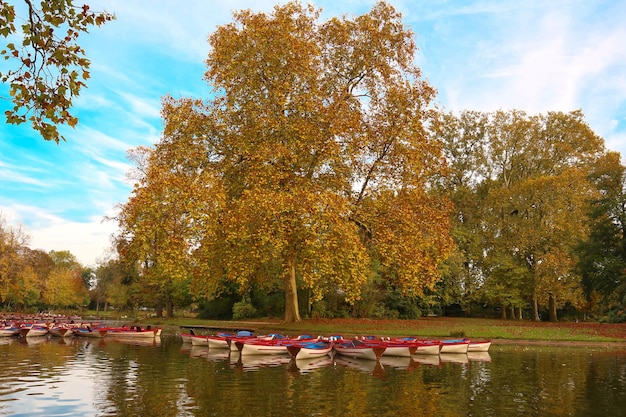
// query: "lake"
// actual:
[[92, 377]]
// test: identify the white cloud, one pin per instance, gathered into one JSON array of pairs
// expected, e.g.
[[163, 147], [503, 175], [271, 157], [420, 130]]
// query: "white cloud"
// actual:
[[47, 232]]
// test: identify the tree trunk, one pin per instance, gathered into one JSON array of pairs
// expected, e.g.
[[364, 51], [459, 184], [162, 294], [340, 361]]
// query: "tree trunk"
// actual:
[[503, 313], [292, 314], [519, 313], [536, 309], [552, 308], [158, 308], [170, 308]]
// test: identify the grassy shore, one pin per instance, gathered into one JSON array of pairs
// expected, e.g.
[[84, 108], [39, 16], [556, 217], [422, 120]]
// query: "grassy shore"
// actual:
[[428, 327]]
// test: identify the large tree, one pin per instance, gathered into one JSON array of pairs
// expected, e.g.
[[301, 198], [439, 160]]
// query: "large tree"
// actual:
[[311, 159], [47, 66]]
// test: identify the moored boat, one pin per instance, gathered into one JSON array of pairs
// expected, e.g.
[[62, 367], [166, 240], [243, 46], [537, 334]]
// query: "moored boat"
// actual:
[[33, 330], [87, 331], [428, 347], [454, 346], [199, 340], [186, 337], [131, 332], [261, 347], [8, 331], [309, 349], [360, 350], [479, 346], [61, 330], [224, 340]]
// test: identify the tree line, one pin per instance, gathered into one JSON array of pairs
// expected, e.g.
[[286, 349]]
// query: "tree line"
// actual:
[[319, 179]]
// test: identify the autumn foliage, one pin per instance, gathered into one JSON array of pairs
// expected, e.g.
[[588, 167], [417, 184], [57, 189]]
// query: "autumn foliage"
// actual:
[[310, 163]]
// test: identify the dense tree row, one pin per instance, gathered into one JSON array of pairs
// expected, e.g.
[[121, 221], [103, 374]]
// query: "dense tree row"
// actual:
[[533, 196]]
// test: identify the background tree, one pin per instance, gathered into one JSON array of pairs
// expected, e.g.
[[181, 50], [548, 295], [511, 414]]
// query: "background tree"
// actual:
[[603, 254], [49, 67], [311, 161], [521, 184], [13, 241]]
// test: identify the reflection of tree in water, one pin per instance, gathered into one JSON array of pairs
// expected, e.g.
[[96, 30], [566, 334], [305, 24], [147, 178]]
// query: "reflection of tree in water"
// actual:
[[133, 379]]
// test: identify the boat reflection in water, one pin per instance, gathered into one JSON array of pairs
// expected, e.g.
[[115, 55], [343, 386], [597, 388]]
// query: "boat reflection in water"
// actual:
[[310, 365], [93, 377]]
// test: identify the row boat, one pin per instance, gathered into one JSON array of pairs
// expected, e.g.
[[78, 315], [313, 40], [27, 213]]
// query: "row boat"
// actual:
[[9, 330], [33, 330], [309, 349], [359, 349], [135, 332]]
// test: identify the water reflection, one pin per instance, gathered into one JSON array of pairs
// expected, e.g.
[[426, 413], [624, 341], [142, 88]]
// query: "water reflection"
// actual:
[[99, 377]]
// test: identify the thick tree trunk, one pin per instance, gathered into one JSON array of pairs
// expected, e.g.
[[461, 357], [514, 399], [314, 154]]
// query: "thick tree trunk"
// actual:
[[170, 309], [519, 313], [158, 309], [291, 295], [503, 313], [536, 310], [552, 308]]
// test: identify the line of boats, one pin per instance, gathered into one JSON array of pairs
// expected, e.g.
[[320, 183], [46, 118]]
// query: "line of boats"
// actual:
[[307, 346], [94, 330]]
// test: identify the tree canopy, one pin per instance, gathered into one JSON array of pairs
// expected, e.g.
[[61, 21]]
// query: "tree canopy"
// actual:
[[48, 67]]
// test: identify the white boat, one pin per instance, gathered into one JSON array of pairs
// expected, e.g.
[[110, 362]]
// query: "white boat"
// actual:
[[7, 331], [199, 340], [359, 350], [309, 349], [33, 330], [454, 346], [428, 348], [260, 347], [479, 346], [134, 332], [87, 331], [61, 330]]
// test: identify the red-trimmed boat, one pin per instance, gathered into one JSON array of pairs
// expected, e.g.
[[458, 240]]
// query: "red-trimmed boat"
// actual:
[[9, 330], [87, 331], [454, 346], [224, 340], [274, 344], [308, 349], [33, 330], [135, 332], [360, 349]]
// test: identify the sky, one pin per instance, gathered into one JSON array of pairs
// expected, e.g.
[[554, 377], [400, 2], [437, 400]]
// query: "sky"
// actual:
[[485, 55]]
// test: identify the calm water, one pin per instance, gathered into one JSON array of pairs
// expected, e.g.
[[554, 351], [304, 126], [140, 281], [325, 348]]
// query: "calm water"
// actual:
[[81, 377]]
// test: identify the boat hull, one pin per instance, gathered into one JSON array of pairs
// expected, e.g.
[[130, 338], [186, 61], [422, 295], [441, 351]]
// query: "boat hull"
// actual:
[[454, 347], [309, 350], [360, 351]]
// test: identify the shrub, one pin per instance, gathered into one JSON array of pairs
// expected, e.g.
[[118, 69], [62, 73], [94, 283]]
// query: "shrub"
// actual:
[[243, 310]]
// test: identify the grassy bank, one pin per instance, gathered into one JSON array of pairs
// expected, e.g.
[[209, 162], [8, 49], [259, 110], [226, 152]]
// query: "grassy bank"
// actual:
[[431, 327]]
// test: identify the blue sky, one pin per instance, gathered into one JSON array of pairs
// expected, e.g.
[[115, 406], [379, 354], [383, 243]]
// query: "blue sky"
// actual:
[[485, 55]]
